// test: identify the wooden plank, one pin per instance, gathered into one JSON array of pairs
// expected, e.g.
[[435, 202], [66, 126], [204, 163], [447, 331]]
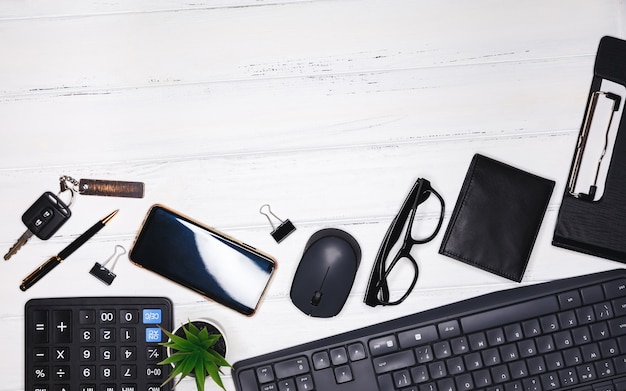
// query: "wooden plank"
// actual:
[[421, 106], [129, 50]]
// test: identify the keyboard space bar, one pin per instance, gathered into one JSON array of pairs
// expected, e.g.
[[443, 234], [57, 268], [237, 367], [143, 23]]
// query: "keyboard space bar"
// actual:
[[510, 314]]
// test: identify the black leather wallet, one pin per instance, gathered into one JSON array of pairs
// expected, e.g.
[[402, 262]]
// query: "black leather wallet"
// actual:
[[496, 218]]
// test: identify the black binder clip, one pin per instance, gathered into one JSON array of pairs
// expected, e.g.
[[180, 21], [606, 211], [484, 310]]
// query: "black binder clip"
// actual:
[[101, 272], [285, 228]]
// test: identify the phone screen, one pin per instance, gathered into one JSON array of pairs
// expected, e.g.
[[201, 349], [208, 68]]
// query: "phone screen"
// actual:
[[202, 259]]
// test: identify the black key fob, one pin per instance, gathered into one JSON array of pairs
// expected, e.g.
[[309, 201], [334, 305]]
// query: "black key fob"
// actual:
[[46, 215]]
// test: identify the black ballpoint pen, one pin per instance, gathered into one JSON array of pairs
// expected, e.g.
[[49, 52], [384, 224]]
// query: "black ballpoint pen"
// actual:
[[51, 263]]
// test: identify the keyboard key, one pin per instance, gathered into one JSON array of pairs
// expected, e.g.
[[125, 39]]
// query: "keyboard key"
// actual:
[[287, 385], [618, 326], [338, 356], [482, 378], [495, 337], [615, 288], [419, 374], [424, 354], [570, 299], [416, 337], [531, 328], [290, 368], [385, 383], [305, 383], [383, 345], [442, 350], [536, 365], [545, 344], [402, 378], [592, 294], [464, 382], [356, 352], [549, 324], [460, 345], [449, 329], [619, 306], [491, 357], [455, 365], [500, 374], [265, 374], [393, 362], [513, 332], [437, 370], [321, 360], [478, 341], [513, 313], [568, 319], [247, 380], [343, 374], [509, 353]]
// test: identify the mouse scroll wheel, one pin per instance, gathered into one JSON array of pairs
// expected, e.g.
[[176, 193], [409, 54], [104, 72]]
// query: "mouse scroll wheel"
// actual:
[[317, 296]]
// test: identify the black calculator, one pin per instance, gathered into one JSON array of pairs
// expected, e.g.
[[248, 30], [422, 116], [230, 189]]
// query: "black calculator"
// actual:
[[96, 343]]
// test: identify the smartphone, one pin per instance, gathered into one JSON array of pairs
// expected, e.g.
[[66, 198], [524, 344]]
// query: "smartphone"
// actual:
[[203, 259]]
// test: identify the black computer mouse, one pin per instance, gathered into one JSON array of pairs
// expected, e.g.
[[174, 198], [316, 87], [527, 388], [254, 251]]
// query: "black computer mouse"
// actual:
[[326, 273]]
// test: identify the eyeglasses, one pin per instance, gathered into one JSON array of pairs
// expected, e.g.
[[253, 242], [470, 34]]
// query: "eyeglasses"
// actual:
[[378, 292]]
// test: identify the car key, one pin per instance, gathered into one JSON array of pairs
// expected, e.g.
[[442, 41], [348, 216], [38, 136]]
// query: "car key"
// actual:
[[42, 219]]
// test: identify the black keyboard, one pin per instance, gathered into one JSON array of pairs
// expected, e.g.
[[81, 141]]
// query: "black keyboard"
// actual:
[[96, 344], [566, 334]]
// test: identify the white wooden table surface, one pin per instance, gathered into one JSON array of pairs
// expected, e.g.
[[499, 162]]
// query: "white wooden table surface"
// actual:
[[326, 110]]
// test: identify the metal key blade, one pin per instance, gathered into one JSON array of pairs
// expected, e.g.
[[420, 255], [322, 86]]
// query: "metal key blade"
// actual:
[[20, 242]]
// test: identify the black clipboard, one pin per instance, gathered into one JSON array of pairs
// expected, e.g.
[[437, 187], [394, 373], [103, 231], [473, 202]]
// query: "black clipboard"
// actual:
[[588, 222]]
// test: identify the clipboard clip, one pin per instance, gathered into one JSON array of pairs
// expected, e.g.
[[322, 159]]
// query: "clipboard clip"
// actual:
[[583, 140]]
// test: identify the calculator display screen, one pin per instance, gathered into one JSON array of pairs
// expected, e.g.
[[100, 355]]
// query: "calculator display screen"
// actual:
[[203, 259]]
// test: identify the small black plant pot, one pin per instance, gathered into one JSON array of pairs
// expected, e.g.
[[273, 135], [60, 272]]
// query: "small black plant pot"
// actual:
[[220, 345]]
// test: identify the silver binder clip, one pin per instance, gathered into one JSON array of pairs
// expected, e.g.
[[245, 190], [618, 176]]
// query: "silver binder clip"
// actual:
[[284, 229], [591, 132], [101, 272]]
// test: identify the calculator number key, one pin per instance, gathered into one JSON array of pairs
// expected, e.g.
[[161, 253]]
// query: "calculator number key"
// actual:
[[107, 316], [87, 335]]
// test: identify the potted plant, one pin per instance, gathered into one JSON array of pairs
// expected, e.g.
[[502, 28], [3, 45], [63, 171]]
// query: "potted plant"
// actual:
[[197, 349]]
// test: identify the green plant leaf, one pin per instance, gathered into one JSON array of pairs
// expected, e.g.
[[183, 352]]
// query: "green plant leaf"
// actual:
[[213, 356], [212, 339], [193, 328], [200, 373], [175, 372], [191, 336], [177, 342], [190, 363], [213, 372], [174, 358]]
